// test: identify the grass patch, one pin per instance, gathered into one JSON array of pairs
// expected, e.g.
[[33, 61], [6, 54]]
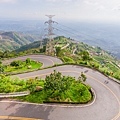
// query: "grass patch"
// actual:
[[59, 89], [78, 93], [55, 88], [8, 85], [33, 65]]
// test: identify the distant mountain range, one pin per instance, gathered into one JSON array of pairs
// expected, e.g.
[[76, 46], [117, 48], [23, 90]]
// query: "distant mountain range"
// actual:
[[103, 35], [14, 40]]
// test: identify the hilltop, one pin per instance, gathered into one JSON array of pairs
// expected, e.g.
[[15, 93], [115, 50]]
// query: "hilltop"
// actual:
[[73, 47]]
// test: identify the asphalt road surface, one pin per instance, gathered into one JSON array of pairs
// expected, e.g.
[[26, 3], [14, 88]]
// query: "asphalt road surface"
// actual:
[[106, 105], [46, 60]]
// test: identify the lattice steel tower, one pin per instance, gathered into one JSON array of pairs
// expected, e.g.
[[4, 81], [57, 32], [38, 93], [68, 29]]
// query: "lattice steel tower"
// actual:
[[50, 50]]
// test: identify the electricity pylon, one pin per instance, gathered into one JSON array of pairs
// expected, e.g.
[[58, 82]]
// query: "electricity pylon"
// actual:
[[50, 50]]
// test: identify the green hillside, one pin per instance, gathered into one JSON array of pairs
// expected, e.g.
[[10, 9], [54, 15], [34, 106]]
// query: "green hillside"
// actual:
[[31, 46], [12, 40], [71, 51]]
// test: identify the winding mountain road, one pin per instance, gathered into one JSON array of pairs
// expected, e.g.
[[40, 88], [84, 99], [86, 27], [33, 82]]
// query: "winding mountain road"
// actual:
[[46, 60], [106, 105]]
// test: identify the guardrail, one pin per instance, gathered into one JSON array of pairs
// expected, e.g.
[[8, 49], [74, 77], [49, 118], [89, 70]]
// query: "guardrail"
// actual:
[[15, 94]]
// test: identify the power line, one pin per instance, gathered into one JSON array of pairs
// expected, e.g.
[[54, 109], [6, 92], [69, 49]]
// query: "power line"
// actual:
[[78, 35], [73, 33]]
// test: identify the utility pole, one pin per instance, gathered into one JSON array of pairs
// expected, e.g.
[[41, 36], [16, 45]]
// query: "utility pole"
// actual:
[[50, 46]]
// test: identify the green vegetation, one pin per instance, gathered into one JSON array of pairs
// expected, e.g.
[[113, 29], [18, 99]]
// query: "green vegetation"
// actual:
[[13, 40], [55, 88], [61, 41], [93, 57], [59, 88], [67, 59], [76, 53], [1, 68], [8, 85], [19, 66]]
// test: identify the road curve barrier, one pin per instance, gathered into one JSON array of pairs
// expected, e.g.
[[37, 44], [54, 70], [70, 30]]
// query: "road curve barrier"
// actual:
[[15, 94]]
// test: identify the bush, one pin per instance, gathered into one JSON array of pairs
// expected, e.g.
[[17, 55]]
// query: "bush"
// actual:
[[28, 61], [16, 63], [55, 84], [66, 88]]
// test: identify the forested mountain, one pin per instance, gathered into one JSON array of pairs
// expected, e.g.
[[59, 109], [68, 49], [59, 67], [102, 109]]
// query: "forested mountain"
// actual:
[[33, 45], [13, 40]]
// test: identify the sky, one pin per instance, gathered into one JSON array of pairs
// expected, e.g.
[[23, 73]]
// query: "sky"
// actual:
[[75, 10]]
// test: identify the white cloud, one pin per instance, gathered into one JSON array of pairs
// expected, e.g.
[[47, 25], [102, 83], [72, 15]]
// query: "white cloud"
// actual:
[[116, 8]]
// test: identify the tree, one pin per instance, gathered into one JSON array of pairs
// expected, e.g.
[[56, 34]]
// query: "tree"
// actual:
[[16, 63], [85, 55], [58, 51], [56, 84], [82, 77], [28, 61]]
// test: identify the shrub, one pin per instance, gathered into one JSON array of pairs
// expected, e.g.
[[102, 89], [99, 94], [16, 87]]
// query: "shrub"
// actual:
[[16, 63]]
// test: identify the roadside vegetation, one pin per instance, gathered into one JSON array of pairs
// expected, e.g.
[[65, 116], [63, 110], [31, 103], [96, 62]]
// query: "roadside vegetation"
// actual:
[[94, 57], [59, 88], [55, 88], [8, 85], [19, 66]]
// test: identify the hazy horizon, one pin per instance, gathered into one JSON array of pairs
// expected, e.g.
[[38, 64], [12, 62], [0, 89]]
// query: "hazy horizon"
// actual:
[[103, 35], [70, 10]]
